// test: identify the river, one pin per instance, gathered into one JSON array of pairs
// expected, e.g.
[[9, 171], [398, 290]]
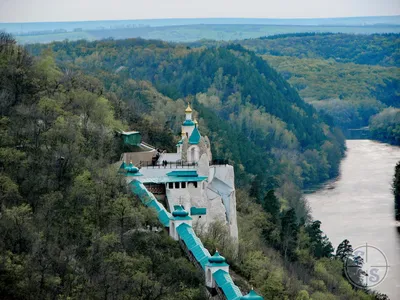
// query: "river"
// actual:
[[358, 205]]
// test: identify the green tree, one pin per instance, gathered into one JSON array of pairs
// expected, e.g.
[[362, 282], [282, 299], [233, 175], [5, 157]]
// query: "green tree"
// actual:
[[344, 250], [271, 205], [320, 244], [289, 233]]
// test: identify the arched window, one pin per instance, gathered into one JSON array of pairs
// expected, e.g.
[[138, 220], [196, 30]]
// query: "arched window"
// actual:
[[209, 276], [193, 154]]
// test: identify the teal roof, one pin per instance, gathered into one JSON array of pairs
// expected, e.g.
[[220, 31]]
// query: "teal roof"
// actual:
[[193, 243], [166, 179], [195, 211], [129, 170], [141, 192], [252, 296], [132, 138], [188, 123], [162, 214], [217, 258], [149, 200], [225, 282], [183, 173], [180, 213], [195, 137]]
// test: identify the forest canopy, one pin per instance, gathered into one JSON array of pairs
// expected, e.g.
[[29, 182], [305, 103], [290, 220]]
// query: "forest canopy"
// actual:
[[70, 229]]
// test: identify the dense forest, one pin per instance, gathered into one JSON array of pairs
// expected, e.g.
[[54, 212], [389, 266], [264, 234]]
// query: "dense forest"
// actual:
[[385, 126], [372, 49], [351, 94], [69, 229], [348, 77]]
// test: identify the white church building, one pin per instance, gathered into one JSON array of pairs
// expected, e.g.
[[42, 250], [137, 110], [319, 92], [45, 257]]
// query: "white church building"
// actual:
[[188, 178]]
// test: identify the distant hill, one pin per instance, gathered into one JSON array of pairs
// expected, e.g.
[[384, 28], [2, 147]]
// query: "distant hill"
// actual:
[[110, 24], [373, 49], [189, 30], [355, 76]]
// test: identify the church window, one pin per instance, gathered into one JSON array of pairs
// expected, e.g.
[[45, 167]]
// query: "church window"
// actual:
[[194, 183]]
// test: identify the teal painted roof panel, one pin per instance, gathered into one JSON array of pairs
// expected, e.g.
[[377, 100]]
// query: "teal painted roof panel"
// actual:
[[132, 138], [162, 214], [188, 123], [196, 211], [149, 200], [201, 254], [167, 179], [141, 192], [193, 243], [188, 236], [183, 173], [164, 217], [225, 282], [195, 137], [155, 204]]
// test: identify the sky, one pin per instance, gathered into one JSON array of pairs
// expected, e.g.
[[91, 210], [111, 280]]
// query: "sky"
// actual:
[[85, 10]]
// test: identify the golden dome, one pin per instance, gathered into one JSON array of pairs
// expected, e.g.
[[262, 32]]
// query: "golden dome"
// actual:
[[188, 109], [195, 122]]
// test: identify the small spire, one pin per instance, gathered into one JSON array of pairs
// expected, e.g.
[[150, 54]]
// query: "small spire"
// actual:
[[196, 123], [188, 109]]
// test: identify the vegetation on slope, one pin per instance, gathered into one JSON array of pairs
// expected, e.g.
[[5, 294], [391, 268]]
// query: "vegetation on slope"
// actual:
[[264, 113], [385, 126], [248, 123], [372, 49], [319, 79], [68, 227], [355, 76], [80, 214], [349, 93]]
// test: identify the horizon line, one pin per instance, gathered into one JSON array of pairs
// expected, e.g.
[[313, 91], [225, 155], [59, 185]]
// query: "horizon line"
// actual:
[[206, 18]]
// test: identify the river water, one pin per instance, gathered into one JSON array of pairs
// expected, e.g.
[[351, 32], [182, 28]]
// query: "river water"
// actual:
[[358, 205]]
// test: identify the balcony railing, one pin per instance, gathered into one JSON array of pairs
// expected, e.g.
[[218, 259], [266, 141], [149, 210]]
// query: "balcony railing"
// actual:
[[166, 164], [219, 162]]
